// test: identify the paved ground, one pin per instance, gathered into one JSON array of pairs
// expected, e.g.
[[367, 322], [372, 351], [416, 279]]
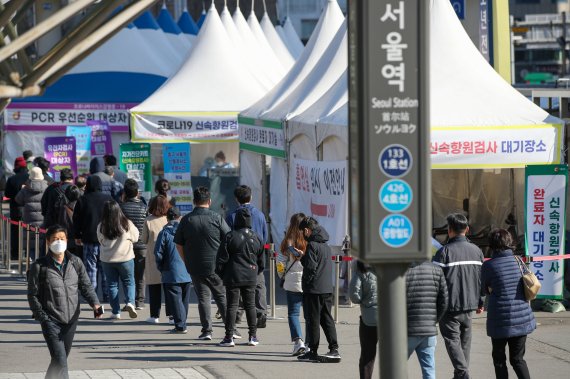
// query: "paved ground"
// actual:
[[133, 349]]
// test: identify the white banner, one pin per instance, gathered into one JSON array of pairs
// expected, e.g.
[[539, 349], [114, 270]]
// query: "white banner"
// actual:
[[486, 147], [320, 189], [184, 126], [545, 225], [262, 140]]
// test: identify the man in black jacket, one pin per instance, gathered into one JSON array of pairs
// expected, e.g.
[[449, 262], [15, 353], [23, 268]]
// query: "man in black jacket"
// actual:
[[317, 291], [51, 194], [239, 263], [198, 240], [461, 262], [427, 302], [120, 176], [86, 217], [136, 211], [13, 185], [54, 284]]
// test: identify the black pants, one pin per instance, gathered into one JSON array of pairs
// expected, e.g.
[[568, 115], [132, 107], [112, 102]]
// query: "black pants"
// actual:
[[205, 287], [59, 338], [261, 296], [248, 296], [139, 276], [516, 357], [368, 340], [317, 310], [456, 332], [155, 300]]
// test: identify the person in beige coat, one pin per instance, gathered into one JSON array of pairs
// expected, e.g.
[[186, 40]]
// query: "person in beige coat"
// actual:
[[116, 235], [157, 209]]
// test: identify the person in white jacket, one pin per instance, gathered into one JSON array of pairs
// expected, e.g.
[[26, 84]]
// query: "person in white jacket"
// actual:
[[116, 234], [290, 271]]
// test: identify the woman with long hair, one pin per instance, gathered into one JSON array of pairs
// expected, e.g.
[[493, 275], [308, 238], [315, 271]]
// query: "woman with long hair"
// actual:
[[156, 220], [116, 234], [509, 316], [290, 271]]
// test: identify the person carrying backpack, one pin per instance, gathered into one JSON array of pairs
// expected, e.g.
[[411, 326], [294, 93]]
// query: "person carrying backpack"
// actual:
[[54, 199], [54, 284]]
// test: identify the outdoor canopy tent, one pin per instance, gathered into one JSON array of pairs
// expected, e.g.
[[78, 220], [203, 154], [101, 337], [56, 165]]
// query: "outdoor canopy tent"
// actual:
[[172, 31], [291, 39], [187, 24], [207, 110], [276, 43]]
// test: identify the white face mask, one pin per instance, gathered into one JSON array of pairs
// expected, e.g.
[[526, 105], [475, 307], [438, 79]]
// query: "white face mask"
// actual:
[[58, 247]]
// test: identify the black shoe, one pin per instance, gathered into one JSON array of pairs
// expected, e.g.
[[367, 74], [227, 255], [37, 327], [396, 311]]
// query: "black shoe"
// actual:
[[332, 356], [205, 336], [262, 322], [309, 356]]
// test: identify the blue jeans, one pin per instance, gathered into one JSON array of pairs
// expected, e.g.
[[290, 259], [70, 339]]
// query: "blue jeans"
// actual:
[[294, 303], [177, 295], [92, 262], [126, 272], [424, 346]]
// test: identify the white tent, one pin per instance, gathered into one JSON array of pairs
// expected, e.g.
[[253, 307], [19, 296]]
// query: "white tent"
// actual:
[[173, 32], [276, 43], [201, 102], [291, 39], [267, 54]]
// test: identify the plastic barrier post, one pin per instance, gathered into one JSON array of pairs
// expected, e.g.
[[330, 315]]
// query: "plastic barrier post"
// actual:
[[28, 247], [37, 241], [9, 239], [272, 280], [3, 244], [337, 259], [346, 250], [20, 247]]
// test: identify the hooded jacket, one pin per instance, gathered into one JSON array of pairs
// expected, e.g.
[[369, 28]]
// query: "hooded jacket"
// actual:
[[317, 264], [168, 261], [30, 197], [108, 186], [13, 186], [240, 258], [88, 211]]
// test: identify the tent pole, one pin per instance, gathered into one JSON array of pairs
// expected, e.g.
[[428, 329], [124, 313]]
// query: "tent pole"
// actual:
[[9, 11]]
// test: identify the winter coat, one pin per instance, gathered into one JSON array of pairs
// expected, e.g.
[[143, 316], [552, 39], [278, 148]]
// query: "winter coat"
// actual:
[[49, 202], [56, 295], [201, 233], [136, 211], [30, 197], [258, 221], [88, 211], [240, 258], [363, 291], [461, 262], [427, 298], [508, 312], [108, 186], [13, 186], [317, 264], [152, 227], [121, 248], [168, 261], [119, 176]]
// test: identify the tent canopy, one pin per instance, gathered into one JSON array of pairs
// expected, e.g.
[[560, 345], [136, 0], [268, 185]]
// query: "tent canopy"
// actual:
[[187, 24]]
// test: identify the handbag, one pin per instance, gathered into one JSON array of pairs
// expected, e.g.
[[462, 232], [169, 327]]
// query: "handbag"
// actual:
[[282, 280], [531, 284]]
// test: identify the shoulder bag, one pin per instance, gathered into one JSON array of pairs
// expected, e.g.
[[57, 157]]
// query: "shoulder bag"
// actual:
[[282, 280], [531, 284]]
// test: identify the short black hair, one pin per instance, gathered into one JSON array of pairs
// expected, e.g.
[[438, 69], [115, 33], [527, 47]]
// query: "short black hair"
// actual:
[[42, 163], [54, 229], [73, 193], [65, 174], [243, 194], [500, 239], [309, 223], [109, 170], [131, 188], [201, 195], [220, 155], [27, 153], [81, 181], [457, 222], [161, 187], [110, 160]]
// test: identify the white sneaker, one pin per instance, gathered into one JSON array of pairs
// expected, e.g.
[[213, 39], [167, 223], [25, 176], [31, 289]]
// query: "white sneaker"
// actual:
[[115, 316], [152, 320], [299, 348], [171, 320], [131, 309]]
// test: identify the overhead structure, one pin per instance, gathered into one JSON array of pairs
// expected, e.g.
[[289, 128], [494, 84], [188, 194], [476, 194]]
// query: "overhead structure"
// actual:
[[276, 43], [266, 52], [207, 109], [188, 25], [292, 39], [173, 32]]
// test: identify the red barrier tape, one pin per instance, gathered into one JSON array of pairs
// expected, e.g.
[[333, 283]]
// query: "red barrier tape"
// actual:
[[14, 222], [266, 246], [342, 258], [529, 259], [44, 231]]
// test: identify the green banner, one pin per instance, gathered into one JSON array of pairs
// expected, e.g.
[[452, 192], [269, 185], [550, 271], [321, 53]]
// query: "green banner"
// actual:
[[545, 215], [135, 161]]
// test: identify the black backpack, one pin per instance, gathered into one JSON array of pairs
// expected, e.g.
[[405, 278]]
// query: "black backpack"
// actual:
[[59, 204]]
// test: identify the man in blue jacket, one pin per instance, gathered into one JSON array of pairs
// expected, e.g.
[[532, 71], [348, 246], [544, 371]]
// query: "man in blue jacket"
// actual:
[[259, 226]]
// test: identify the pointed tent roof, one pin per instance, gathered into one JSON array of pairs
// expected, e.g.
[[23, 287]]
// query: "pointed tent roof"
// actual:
[[327, 27], [172, 30], [215, 84], [157, 39], [267, 54], [123, 69], [187, 23], [292, 39], [324, 74], [276, 42], [202, 19]]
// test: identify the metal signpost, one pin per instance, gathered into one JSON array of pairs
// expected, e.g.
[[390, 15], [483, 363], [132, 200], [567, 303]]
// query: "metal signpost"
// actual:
[[389, 155]]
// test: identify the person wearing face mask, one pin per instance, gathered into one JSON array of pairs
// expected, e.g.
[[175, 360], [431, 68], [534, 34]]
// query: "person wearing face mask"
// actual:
[[54, 284]]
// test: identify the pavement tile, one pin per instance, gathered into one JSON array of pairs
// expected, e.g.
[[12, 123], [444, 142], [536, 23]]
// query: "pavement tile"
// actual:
[[102, 374], [12, 375], [78, 375], [162, 373], [190, 373], [35, 375]]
